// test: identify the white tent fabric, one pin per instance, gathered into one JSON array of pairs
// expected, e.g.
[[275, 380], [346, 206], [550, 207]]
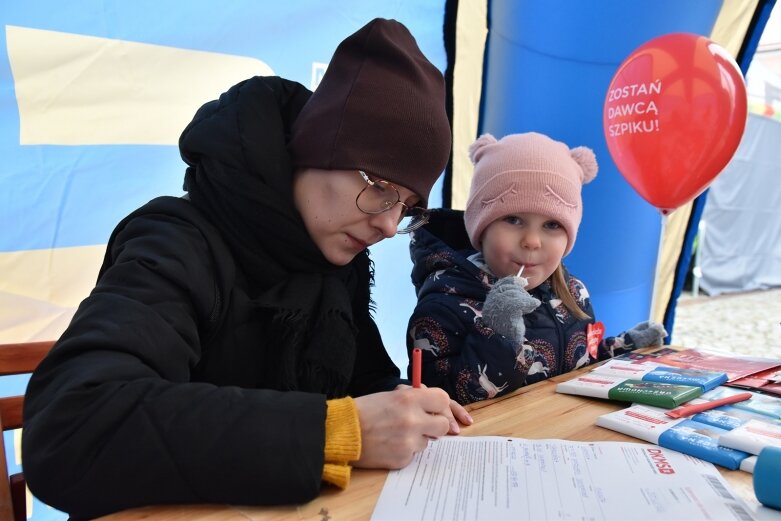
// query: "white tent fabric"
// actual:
[[741, 246]]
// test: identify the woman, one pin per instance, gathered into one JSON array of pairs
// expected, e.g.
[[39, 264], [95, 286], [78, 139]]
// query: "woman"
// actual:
[[217, 357]]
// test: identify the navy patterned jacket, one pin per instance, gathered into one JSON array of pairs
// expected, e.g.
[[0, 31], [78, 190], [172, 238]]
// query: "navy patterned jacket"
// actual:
[[461, 353]]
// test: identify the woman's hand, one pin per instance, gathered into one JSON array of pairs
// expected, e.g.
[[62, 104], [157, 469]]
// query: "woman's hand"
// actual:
[[397, 424], [456, 412], [460, 414]]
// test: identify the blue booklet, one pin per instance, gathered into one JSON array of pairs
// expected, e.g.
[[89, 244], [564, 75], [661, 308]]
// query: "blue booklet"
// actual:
[[649, 371], [759, 403], [701, 441], [728, 417], [691, 437], [679, 375]]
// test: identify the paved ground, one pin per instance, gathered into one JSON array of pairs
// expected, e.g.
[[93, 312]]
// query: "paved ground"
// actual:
[[746, 323]]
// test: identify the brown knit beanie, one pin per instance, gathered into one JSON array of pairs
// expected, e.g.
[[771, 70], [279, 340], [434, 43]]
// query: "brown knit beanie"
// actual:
[[380, 107], [527, 173]]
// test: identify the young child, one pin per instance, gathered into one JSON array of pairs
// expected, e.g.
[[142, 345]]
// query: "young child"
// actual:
[[496, 308]]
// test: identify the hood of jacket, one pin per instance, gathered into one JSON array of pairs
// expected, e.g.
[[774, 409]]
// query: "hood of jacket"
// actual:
[[439, 252], [240, 176]]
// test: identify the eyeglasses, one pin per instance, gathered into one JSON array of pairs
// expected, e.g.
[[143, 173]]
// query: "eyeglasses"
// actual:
[[379, 196]]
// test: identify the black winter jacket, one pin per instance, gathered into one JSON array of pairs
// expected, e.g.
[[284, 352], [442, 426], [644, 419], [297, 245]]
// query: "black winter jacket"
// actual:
[[156, 391]]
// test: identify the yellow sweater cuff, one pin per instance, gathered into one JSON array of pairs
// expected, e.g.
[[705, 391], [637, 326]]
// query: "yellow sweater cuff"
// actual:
[[337, 475], [342, 441], [342, 431]]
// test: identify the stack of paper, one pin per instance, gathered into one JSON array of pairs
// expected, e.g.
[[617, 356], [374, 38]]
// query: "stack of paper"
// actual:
[[650, 371], [687, 436], [618, 388], [494, 478], [736, 366], [752, 436], [763, 404]]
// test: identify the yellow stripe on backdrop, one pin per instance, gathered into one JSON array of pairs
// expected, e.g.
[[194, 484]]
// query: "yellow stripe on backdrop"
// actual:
[[729, 31], [471, 32], [44, 289], [75, 89]]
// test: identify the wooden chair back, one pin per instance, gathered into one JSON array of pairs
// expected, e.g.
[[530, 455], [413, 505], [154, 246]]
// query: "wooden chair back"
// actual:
[[15, 359]]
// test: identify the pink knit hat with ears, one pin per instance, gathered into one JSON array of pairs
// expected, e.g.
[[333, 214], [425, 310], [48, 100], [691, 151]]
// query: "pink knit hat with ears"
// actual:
[[527, 173]]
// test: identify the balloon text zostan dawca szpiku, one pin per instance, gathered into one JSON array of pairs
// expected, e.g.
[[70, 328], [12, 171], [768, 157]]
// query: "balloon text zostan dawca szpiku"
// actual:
[[673, 117]]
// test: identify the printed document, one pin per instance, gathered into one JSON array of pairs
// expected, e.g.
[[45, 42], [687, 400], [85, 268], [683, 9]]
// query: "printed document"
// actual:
[[495, 478]]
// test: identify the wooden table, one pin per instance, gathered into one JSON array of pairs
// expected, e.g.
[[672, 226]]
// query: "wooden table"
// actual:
[[533, 412]]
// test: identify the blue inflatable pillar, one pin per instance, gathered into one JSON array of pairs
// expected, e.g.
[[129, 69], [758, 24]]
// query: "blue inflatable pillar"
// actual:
[[548, 66]]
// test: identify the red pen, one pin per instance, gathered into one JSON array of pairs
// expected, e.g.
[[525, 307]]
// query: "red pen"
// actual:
[[688, 410], [416, 361]]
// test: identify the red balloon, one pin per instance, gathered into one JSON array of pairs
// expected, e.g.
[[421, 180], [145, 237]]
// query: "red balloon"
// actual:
[[673, 117]]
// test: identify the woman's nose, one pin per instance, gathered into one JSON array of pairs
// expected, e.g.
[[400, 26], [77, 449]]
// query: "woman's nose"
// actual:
[[387, 222]]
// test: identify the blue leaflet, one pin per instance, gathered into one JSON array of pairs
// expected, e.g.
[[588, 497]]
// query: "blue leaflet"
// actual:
[[682, 376], [701, 441]]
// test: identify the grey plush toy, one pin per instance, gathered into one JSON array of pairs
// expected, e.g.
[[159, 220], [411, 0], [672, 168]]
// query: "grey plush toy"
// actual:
[[645, 334], [506, 304], [508, 301]]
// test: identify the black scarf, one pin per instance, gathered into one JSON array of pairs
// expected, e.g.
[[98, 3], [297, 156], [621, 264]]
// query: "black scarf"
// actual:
[[240, 176]]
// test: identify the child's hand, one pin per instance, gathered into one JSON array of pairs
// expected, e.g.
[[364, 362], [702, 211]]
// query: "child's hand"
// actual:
[[505, 305], [645, 334]]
